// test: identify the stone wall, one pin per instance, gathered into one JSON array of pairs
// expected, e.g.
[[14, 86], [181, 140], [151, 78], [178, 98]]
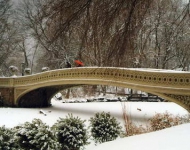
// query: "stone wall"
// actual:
[[7, 97]]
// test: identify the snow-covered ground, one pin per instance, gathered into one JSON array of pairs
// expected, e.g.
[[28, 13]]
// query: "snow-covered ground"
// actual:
[[175, 138]]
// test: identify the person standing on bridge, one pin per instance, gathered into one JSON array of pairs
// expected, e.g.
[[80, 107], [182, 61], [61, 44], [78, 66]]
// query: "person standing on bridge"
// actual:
[[68, 64], [79, 63]]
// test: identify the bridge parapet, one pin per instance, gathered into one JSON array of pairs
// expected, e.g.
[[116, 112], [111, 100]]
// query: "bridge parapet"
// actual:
[[6, 82], [178, 82], [160, 77]]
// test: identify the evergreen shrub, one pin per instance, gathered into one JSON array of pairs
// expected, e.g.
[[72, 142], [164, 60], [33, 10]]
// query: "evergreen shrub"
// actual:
[[36, 135], [7, 141], [71, 132], [104, 127]]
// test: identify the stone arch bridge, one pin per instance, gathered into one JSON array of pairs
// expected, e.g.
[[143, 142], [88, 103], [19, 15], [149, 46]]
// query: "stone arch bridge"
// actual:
[[38, 89]]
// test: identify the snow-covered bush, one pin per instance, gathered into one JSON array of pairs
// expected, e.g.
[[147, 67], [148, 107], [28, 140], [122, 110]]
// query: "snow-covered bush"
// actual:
[[36, 135], [104, 127], [6, 139], [165, 120], [71, 132]]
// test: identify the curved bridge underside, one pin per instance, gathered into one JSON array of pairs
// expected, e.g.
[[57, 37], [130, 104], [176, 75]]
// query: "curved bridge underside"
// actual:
[[171, 85]]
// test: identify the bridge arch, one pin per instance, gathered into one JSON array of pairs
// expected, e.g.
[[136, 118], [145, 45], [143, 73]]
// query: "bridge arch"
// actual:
[[46, 91]]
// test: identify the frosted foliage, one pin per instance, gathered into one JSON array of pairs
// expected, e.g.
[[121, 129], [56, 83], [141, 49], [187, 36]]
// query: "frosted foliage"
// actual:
[[36, 135], [104, 127], [70, 132], [7, 142]]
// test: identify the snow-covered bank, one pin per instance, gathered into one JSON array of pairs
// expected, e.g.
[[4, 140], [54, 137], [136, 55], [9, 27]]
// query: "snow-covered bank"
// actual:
[[140, 112], [175, 138]]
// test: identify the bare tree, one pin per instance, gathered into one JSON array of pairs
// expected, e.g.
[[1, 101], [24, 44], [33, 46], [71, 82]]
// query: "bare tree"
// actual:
[[106, 28], [8, 34], [34, 15], [182, 38], [100, 33], [162, 35], [127, 33]]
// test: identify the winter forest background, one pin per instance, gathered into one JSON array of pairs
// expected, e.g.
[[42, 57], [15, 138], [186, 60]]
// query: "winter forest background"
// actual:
[[106, 33], [119, 33]]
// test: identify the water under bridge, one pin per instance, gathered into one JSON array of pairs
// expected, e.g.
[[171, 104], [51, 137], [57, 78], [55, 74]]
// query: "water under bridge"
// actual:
[[37, 90]]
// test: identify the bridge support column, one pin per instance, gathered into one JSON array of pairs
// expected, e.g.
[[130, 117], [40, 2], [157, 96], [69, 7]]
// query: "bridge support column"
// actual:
[[7, 97]]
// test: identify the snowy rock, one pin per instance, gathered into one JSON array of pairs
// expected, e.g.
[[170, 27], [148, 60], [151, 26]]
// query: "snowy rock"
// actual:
[[45, 69]]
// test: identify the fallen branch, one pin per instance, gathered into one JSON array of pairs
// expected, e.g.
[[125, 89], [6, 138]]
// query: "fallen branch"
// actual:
[[42, 112]]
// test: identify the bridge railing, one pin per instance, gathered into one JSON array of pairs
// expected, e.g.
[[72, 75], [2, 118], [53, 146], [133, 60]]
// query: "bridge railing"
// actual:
[[139, 76], [6, 82]]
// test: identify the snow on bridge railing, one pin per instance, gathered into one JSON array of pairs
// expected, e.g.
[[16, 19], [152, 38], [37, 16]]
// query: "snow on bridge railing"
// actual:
[[134, 75]]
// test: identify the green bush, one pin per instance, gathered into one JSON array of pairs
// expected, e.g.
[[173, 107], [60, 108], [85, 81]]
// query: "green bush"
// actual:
[[6, 139], [36, 135], [104, 127], [70, 132]]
